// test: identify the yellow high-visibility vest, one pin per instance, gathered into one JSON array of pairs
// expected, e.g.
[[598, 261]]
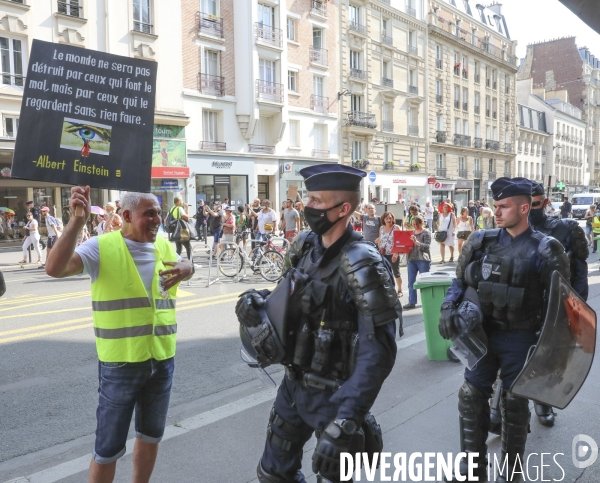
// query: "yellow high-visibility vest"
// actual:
[[129, 325], [596, 224]]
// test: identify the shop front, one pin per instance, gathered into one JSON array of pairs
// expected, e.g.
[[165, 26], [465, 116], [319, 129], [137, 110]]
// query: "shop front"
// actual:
[[392, 188], [291, 177], [463, 192], [442, 190]]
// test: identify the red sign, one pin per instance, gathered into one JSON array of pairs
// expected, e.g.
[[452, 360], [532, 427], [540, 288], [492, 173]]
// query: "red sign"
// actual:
[[170, 172], [430, 180]]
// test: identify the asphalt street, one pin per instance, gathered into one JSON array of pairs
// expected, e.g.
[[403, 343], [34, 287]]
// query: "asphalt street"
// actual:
[[219, 410]]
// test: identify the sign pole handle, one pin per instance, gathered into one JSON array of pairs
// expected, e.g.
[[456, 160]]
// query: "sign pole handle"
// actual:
[[79, 209]]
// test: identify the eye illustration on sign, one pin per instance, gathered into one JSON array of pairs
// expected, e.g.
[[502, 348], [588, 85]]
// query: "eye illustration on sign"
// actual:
[[86, 137]]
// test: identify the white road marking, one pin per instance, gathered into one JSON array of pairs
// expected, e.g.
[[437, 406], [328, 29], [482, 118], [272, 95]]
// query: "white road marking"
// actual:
[[78, 465]]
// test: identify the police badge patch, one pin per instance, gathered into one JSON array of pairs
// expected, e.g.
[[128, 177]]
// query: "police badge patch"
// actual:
[[486, 270]]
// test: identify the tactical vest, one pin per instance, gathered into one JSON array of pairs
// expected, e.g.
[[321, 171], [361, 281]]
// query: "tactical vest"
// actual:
[[509, 286], [555, 228], [130, 326]]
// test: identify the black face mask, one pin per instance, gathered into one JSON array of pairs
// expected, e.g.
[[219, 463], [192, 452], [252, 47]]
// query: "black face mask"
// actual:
[[317, 219], [536, 216]]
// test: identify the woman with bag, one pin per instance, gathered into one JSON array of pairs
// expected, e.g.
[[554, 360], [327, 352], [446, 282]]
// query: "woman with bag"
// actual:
[[216, 224], [419, 258], [446, 232], [385, 242], [228, 226], [179, 212], [464, 227]]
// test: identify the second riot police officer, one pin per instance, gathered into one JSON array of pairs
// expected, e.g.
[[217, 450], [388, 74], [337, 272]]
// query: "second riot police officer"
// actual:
[[337, 342], [510, 269]]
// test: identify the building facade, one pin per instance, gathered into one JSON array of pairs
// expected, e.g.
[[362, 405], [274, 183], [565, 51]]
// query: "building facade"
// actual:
[[259, 84], [132, 28], [381, 104], [471, 99], [572, 76]]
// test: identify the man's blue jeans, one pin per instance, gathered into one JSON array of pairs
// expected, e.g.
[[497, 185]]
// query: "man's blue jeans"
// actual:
[[421, 266]]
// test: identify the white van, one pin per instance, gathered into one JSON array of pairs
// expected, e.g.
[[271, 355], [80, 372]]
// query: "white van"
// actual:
[[581, 203]]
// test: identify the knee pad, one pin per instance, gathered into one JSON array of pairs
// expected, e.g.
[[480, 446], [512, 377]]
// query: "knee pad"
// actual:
[[472, 401], [515, 409]]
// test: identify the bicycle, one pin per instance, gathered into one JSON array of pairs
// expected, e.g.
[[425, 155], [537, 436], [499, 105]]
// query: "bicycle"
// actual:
[[265, 258]]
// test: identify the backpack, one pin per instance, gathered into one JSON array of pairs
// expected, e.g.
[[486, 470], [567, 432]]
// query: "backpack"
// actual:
[[57, 223], [171, 222]]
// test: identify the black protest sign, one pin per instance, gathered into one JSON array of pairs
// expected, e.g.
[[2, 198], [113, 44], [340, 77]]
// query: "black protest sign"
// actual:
[[87, 118]]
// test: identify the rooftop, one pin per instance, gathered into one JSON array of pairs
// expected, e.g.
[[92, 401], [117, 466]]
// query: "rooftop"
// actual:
[[490, 16]]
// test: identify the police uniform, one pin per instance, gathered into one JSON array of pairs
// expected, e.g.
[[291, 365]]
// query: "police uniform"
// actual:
[[344, 347], [510, 276]]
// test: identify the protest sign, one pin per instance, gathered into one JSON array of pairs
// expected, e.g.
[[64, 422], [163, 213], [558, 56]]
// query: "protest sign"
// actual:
[[292, 192], [87, 118]]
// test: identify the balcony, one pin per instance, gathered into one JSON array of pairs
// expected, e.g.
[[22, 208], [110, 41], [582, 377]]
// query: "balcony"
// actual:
[[439, 99], [477, 143], [413, 50], [212, 85], [319, 103], [387, 126], [440, 172], [387, 82], [318, 56], [414, 168], [508, 147], [389, 166], [463, 173], [477, 174], [462, 140], [477, 78], [413, 90], [491, 175], [413, 130], [209, 24], [493, 145], [260, 148], [386, 39], [269, 91], [212, 146], [361, 119], [356, 27], [319, 8], [143, 27], [360, 163], [358, 73], [441, 136], [476, 110], [438, 63], [456, 104], [411, 11], [268, 35], [465, 106], [72, 9], [320, 153]]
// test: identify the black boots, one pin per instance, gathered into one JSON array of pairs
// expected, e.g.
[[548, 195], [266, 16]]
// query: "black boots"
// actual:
[[515, 426], [545, 414], [474, 419]]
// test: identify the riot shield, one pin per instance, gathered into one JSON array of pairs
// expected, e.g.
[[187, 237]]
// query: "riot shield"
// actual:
[[470, 345], [564, 353]]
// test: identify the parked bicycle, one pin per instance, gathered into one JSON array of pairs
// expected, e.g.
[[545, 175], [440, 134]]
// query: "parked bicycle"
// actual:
[[266, 259]]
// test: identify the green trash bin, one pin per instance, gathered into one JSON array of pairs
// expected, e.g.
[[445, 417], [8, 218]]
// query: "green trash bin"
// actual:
[[433, 287]]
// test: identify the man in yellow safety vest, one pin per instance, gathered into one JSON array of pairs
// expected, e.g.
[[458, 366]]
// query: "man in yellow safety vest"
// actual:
[[134, 278]]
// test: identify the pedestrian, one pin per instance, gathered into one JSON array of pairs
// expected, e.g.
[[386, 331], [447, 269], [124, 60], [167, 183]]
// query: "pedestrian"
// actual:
[[225, 203], [385, 242], [473, 211], [267, 221], [464, 227], [228, 225], [362, 206], [402, 211], [485, 221], [419, 258], [253, 212], [99, 225], [589, 218], [118, 207], [300, 210], [216, 225], [241, 226], [370, 223], [84, 235], [112, 221], [32, 237], [200, 221], [428, 216], [512, 301], [566, 209], [52, 228], [179, 211], [356, 302], [408, 221], [595, 230], [447, 224], [292, 221], [134, 277], [36, 216]]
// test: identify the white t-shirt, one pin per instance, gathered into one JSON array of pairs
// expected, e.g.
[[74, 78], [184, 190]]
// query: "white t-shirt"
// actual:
[[429, 212], [51, 225], [269, 217], [143, 254], [32, 225]]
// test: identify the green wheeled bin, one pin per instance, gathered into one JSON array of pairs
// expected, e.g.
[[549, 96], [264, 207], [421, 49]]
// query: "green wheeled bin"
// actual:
[[433, 287]]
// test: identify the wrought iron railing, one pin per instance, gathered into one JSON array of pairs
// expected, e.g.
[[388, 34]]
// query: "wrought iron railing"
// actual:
[[477, 143], [267, 34], [358, 73], [414, 167], [413, 49], [493, 145], [494, 115], [477, 174], [456, 104], [319, 8], [439, 99], [212, 146], [476, 109], [260, 148], [440, 172], [463, 173], [211, 84], [386, 39], [441, 136], [269, 91], [491, 174], [73, 9], [356, 27], [411, 11], [438, 63], [389, 166], [465, 106], [413, 130], [387, 126], [387, 82], [209, 24], [477, 78], [361, 119], [143, 27], [413, 89], [319, 103], [318, 56], [13, 80], [508, 148]]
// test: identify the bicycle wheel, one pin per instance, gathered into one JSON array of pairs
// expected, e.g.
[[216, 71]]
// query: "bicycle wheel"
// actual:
[[228, 265], [270, 266]]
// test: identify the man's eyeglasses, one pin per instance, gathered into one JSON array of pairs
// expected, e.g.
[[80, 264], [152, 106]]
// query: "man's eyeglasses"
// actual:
[[535, 204]]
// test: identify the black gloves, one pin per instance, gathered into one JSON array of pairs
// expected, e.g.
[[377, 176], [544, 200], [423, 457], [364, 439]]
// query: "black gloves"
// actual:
[[335, 439], [447, 327], [247, 307]]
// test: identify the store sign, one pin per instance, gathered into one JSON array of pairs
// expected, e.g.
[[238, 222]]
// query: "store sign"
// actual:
[[222, 164], [409, 180], [430, 180], [86, 118], [164, 131], [169, 183], [439, 186], [288, 167], [464, 184], [165, 172]]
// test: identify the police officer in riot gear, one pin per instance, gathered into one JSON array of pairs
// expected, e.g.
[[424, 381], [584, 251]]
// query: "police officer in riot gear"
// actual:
[[344, 335], [510, 268]]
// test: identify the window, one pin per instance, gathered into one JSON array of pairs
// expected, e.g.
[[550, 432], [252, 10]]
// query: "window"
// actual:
[[11, 126], [357, 150], [476, 164], [456, 126], [494, 108], [439, 122], [477, 130], [211, 62], [412, 39], [465, 98], [266, 16], [209, 6], [68, 7], [387, 153], [12, 61], [294, 131], [318, 86], [291, 29], [142, 19], [462, 166], [354, 14], [491, 166], [439, 161], [456, 97], [476, 101], [476, 71], [266, 70], [209, 126], [413, 156], [438, 56], [356, 102], [384, 26], [292, 81], [317, 38], [466, 127], [385, 69], [385, 111], [355, 60], [320, 137], [412, 78]]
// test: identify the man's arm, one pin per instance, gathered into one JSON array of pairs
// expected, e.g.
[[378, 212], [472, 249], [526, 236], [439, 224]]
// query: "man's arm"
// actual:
[[298, 221], [62, 260]]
